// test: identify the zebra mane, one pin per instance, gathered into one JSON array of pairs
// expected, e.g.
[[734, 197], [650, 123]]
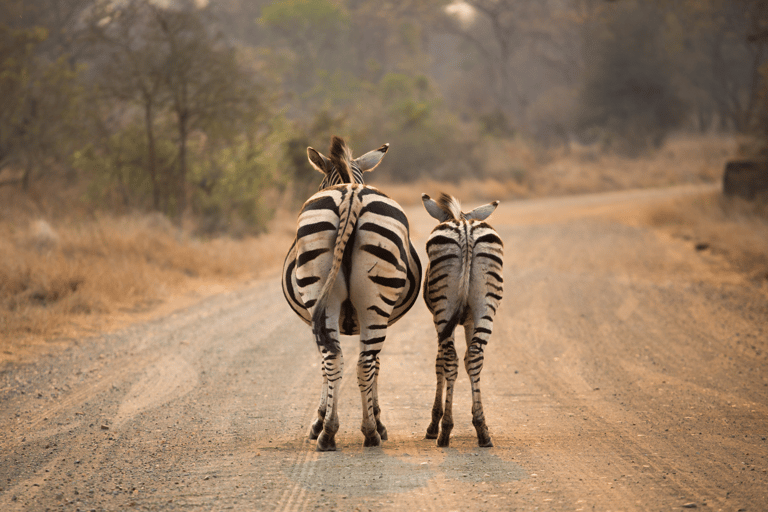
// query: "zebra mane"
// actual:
[[340, 157], [450, 205]]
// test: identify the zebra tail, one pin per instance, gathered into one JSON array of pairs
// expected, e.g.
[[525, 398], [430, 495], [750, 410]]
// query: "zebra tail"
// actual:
[[347, 223]]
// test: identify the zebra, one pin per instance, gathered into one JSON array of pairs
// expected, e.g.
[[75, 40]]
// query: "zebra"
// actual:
[[352, 269], [463, 286]]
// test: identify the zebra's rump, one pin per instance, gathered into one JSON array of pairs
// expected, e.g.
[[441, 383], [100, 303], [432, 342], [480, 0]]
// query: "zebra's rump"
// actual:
[[379, 228], [464, 270]]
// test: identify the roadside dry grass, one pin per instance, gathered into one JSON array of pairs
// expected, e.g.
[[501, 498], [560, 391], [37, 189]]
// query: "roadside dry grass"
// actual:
[[731, 228], [579, 169], [70, 278], [683, 159]]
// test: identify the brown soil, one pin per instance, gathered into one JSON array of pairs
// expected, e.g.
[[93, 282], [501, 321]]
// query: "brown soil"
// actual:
[[626, 371]]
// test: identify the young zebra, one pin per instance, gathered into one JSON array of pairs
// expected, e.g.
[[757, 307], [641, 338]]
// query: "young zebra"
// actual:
[[463, 286], [351, 270]]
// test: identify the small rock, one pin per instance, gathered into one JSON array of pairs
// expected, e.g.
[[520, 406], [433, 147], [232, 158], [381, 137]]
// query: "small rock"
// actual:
[[690, 505], [702, 246]]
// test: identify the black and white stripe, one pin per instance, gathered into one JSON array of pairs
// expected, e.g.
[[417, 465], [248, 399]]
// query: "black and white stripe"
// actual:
[[463, 286], [351, 270]]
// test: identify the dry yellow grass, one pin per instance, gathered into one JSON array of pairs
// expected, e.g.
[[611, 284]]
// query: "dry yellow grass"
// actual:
[[60, 279], [683, 159], [515, 170], [732, 228]]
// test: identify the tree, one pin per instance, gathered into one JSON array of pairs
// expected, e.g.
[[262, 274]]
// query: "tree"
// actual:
[[59, 18], [208, 89], [315, 32], [717, 62], [520, 44], [172, 64], [38, 103], [628, 94], [125, 39]]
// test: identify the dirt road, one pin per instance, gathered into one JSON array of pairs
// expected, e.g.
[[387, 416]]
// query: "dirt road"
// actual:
[[626, 371]]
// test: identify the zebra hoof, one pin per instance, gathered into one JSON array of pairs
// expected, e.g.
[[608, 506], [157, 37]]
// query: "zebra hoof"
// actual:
[[315, 429], [432, 431], [326, 443], [374, 440], [485, 443], [382, 432], [444, 440], [483, 437]]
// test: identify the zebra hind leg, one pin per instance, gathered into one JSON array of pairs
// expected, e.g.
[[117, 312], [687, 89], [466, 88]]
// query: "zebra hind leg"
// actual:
[[317, 425], [437, 408], [473, 363], [366, 380], [333, 367], [380, 428], [451, 369]]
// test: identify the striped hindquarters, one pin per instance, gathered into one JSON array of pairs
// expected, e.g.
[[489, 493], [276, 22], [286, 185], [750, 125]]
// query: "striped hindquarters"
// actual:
[[464, 272], [487, 265], [383, 230], [334, 225]]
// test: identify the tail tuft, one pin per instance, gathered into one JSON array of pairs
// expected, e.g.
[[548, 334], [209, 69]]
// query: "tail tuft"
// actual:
[[322, 336]]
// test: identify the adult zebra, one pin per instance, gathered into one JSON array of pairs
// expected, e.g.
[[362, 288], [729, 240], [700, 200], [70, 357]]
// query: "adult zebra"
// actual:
[[464, 286], [351, 270]]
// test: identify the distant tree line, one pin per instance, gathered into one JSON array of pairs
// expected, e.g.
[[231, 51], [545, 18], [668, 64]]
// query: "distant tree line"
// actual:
[[206, 108]]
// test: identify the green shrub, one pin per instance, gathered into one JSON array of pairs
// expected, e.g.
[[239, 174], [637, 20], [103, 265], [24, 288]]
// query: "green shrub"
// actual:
[[230, 188], [118, 171]]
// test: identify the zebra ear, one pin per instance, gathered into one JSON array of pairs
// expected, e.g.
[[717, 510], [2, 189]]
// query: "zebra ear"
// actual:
[[318, 161], [481, 212], [433, 209], [371, 159]]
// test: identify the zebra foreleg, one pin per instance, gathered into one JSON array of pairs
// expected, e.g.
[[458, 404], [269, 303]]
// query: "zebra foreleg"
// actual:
[[366, 380], [473, 363], [451, 370]]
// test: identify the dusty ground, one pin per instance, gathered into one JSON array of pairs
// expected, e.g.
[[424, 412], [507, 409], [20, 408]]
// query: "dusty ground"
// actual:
[[627, 371]]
